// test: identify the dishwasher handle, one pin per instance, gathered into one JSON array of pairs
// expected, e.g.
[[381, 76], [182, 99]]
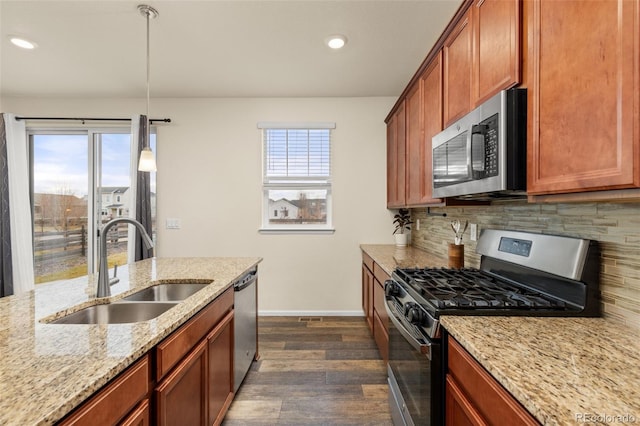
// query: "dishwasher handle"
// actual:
[[245, 281]]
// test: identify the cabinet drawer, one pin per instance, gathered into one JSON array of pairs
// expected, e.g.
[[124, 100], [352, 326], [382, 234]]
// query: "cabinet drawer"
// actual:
[[380, 274], [491, 400], [176, 346], [115, 400]]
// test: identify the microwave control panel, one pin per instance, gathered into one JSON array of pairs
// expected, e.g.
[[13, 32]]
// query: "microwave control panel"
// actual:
[[491, 146]]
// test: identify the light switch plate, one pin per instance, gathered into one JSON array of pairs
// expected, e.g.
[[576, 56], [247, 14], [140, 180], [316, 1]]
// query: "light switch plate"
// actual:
[[173, 224]]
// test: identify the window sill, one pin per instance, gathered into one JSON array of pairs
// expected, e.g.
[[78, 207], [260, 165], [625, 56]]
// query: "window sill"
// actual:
[[296, 231]]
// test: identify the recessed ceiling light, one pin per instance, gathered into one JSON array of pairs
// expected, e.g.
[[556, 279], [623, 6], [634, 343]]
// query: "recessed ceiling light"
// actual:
[[336, 41], [22, 42]]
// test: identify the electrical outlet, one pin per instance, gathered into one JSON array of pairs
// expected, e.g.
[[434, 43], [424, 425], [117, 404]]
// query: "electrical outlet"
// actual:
[[417, 224], [473, 231]]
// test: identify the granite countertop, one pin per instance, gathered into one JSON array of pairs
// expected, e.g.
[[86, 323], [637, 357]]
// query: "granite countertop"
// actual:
[[390, 257], [46, 370], [564, 371]]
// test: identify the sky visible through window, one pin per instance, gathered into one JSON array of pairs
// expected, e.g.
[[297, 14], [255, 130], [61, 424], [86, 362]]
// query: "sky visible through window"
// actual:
[[61, 162]]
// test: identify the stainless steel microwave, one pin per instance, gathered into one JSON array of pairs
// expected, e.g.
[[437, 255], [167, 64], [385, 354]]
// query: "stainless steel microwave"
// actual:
[[484, 154]]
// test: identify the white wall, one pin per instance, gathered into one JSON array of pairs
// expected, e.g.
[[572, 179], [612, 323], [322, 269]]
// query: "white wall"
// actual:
[[209, 162]]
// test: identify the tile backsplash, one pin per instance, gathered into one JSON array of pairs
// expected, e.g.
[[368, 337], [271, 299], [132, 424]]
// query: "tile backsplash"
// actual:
[[615, 225]]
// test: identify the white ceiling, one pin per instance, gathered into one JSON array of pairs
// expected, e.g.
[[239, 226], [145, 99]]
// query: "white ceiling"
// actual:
[[215, 48]]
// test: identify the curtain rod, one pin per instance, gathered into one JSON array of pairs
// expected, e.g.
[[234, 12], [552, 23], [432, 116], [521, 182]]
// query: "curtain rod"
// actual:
[[162, 120]]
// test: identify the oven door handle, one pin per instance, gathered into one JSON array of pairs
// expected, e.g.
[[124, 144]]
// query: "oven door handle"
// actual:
[[423, 348]]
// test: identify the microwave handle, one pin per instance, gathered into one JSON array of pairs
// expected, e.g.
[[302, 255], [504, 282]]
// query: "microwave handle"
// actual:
[[476, 129], [469, 153]]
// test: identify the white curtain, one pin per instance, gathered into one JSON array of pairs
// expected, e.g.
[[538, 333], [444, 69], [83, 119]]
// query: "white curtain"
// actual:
[[20, 205]]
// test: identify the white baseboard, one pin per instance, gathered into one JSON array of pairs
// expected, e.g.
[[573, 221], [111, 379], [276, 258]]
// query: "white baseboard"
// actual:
[[310, 313]]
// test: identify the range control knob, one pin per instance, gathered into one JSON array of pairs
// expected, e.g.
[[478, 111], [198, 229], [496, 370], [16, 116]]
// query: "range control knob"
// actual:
[[414, 313], [391, 288]]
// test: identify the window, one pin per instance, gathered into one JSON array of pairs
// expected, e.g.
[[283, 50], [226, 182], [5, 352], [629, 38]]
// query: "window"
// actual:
[[73, 175], [296, 177]]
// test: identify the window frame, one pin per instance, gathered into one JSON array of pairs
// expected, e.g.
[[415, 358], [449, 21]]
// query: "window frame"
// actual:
[[296, 183]]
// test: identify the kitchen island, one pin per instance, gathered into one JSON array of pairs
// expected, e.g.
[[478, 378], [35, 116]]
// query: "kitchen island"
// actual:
[[46, 370]]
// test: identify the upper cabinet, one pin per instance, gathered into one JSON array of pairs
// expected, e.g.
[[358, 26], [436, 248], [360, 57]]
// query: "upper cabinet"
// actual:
[[477, 56], [496, 47], [481, 55], [457, 53], [583, 104], [396, 158]]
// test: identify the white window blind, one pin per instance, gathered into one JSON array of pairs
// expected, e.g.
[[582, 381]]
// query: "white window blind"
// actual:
[[297, 155]]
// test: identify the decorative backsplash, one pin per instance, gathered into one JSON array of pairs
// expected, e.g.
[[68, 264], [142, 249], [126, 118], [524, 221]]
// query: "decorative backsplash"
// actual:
[[615, 225]]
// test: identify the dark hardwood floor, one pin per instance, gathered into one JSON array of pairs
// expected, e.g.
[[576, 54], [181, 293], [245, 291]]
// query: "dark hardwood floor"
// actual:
[[313, 371]]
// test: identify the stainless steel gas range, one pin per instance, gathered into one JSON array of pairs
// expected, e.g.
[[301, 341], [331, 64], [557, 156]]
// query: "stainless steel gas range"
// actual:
[[520, 273]]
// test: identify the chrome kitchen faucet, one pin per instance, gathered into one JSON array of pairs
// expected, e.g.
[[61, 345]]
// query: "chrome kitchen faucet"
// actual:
[[104, 283]]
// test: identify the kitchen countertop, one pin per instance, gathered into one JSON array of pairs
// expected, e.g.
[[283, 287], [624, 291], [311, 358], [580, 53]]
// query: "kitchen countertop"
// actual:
[[564, 371], [390, 257], [46, 370]]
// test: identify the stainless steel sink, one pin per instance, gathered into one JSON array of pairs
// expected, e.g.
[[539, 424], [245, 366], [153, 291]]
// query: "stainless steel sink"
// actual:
[[117, 313], [166, 292]]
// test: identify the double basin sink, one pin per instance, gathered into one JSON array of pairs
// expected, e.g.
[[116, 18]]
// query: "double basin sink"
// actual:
[[141, 306]]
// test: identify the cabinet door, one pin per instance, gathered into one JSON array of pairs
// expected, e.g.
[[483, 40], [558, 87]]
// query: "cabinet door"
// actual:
[[138, 417], [457, 71], [220, 377], [496, 47], [380, 320], [181, 397], [367, 295], [415, 166], [583, 101], [396, 159], [460, 411], [431, 81]]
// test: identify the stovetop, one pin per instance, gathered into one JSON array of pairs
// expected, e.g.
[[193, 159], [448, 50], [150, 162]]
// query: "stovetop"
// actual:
[[469, 288]]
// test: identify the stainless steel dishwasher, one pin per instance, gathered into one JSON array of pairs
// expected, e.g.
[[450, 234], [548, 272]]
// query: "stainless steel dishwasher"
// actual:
[[245, 325]]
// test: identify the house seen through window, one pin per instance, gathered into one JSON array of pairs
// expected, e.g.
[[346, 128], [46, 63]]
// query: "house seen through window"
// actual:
[[297, 177]]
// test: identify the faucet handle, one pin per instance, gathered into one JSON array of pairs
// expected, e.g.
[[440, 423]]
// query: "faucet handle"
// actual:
[[115, 278]]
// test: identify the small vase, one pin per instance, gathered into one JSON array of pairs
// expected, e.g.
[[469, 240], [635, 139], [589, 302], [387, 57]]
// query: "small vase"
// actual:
[[456, 255], [402, 239]]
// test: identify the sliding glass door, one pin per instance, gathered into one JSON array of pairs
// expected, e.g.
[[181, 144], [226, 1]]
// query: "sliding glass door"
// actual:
[[80, 181]]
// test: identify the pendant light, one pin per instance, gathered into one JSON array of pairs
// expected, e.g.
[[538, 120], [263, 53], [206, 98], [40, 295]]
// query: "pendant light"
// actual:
[[147, 160]]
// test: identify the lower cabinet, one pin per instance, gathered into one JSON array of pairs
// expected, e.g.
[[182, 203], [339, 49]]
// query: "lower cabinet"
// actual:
[[124, 400], [195, 368], [373, 303], [182, 396], [191, 382], [475, 398]]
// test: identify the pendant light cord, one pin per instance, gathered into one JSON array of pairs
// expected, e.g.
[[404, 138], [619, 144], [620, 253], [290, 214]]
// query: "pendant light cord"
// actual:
[[148, 13]]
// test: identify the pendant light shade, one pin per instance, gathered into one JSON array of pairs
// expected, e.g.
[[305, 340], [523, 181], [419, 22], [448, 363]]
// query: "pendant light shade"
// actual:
[[147, 159]]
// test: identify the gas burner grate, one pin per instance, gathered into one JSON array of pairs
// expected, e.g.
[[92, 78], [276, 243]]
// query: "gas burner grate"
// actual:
[[469, 288]]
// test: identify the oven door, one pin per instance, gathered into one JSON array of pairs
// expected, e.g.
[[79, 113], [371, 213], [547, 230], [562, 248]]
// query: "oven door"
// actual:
[[415, 373]]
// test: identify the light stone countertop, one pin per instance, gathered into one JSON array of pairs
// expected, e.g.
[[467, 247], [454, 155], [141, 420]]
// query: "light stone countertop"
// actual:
[[46, 370], [390, 257], [564, 371]]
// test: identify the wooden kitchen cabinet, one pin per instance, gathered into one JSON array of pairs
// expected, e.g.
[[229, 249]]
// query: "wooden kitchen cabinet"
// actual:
[[583, 101], [431, 86], [140, 416], [496, 47], [194, 367], [415, 147], [457, 59], [396, 159], [473, 397], [113, 403], [220, 370], [373, 279], [367, 289]]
